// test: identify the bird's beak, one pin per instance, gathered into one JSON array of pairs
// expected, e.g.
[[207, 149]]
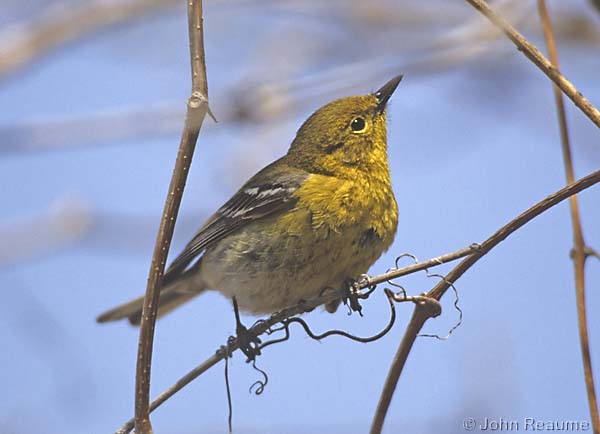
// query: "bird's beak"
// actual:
[[386, 91]]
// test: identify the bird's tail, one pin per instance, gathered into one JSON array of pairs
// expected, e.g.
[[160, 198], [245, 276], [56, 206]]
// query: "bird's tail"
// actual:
[[171, 297]]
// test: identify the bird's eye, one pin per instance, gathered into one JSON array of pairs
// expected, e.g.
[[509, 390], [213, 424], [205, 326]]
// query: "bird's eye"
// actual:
[[358, 125]]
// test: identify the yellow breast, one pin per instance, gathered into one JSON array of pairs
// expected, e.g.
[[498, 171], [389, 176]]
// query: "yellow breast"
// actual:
[[349, 206]]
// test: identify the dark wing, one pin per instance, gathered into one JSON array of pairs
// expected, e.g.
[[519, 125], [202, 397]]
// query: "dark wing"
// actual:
[[268, 192]]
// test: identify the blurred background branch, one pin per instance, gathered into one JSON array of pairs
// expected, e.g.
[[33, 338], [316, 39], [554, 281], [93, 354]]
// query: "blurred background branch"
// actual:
[[64, 22], [59, 226], [286, 88]]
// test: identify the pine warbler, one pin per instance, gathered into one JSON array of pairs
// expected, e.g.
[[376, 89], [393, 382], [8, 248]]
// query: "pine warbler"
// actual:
[[313, 219]]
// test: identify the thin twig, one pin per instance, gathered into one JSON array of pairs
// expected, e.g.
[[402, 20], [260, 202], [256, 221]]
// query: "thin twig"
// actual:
[[579, 251], [197, 108], [439, 260], [539, 60], [417, 321], [262, 326]]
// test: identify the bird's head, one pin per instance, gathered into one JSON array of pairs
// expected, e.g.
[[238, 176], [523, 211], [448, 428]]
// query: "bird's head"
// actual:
[[345, 136]]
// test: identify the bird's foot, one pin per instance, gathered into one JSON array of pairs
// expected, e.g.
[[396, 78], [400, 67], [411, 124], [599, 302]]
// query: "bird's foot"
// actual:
[[247, 340], [352, 295]]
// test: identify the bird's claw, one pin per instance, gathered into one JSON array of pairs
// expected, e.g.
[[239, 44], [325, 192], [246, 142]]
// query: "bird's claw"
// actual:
[[248, 342], [351, 296]]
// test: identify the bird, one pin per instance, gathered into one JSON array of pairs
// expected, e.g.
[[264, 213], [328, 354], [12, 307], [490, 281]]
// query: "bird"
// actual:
[[314, 219]]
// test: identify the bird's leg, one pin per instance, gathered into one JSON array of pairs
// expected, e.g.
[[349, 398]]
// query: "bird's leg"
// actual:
[[351, 295], [247, 341]]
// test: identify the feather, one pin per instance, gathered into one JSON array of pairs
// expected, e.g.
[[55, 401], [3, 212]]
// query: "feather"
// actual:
[[269, 192]]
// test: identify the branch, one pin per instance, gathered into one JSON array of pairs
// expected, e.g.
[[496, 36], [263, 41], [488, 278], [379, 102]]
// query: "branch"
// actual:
[[438, 260], [423, 311], [539, 60], [122, 126], [67, 220], [579, 251], [418, 319], [197, 107]]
